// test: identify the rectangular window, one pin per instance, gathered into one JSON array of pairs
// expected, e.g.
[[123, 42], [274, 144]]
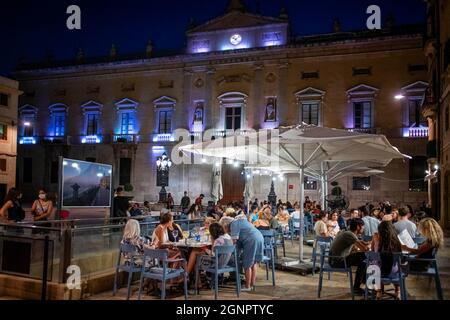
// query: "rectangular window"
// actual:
[[361, 183], [60, 123], [127, 123], [310, 113], [27, 170], [165, 122], [363, 114], [310, 184], [54, 172], [417, 167], [4, 99], [3, 165], [3, 132], [415, 113], [233, 118], [28, 129], [125, 171], [92, 124]]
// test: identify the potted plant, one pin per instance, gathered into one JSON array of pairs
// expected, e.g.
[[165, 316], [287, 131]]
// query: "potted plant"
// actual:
[[128, 187]]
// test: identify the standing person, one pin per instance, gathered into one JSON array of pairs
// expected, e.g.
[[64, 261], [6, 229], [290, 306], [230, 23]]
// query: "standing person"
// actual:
[[170, 201], [199, 200], [121, 204], [185, 202], [251, 241], [347, 246], [404, 222], [12, 209], [42, 208]]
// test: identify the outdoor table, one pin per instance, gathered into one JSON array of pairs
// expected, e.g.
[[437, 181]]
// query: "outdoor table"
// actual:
[[188, 244]]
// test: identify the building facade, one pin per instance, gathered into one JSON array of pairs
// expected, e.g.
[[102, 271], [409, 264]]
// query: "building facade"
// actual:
[[436, 107], [9, 98], [239, 71]]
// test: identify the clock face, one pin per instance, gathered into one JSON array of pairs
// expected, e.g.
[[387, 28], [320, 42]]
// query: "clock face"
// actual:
[[235, 39]]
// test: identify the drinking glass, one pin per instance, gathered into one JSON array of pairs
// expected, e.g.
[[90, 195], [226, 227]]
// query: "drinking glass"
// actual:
[[175, 234]]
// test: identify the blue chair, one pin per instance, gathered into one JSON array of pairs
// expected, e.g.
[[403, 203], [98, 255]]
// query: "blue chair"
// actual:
[[398, 279], [216, 269], [279, 241], [431, 272], [419, 240], [326, 267], [269, 252], [318, 242], [133, 265], [160, 271]]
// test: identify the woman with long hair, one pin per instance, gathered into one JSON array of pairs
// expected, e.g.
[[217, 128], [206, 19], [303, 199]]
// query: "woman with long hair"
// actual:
[[12, 208], [333, 225], [386, 243], [432, 231]]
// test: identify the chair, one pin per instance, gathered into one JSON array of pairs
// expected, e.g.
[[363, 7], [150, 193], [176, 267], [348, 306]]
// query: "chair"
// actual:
[[279, 241], [431, 272], [269, 253], [132, 266], [326, 267], [151, 270], [373, 258], [216, 269], [319, 241], [419, 240]]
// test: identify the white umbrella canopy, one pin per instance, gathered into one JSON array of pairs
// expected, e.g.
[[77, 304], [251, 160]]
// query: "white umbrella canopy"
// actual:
[[305, 149], [216, 184]]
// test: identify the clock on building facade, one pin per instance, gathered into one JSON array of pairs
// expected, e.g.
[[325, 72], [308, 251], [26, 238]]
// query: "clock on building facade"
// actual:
[[235, 39]]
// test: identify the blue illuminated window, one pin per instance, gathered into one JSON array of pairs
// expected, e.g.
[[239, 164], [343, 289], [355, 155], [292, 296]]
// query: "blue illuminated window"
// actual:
[[363, 114], [127, 123], [60, 124], [165, 121], [92, 124]]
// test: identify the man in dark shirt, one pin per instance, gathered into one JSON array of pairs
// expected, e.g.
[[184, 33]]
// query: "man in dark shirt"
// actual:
[[185, 202], [121, 204], [347, 246]]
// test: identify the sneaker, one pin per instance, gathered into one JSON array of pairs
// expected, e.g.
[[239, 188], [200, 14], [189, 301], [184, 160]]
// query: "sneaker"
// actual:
[[245, 289]]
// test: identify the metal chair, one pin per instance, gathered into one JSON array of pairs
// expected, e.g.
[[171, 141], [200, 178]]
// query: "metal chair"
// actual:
[[320, 241], [216, 269], [269, 253], [374, 258], [326, 267], [431, 272], [131, 266], [160, 271]]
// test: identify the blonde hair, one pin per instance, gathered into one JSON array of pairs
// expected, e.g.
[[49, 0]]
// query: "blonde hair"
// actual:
[[209, 220], [132, 230], [229, 211], [430, 229], [225, 222]]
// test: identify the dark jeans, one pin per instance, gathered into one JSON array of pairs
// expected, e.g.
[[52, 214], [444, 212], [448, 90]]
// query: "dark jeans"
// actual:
[[354, 259]]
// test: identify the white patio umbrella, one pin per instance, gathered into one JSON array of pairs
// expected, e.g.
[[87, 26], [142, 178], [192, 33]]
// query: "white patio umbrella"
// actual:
[[248, 191], [304, 148], [216, 183]]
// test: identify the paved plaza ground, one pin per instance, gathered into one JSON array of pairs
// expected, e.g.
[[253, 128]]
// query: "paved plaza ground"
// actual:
[[293, 286]]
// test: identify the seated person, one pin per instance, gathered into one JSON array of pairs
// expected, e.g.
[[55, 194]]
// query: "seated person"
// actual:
[[253, 216], [132, 235], [266, 220], [347, 246], [194, 212], [135, 211], [434, 235], [321, 227], [282, 217], [207, 223], [333, 225], [164, 232]]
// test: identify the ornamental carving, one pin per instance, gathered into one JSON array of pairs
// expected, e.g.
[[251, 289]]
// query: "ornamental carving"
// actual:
[[199, 83], [271, 78]]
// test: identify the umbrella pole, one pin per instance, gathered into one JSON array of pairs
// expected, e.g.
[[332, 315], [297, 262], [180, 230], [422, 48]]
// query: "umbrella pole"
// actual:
[[322, 187], [302, 200]]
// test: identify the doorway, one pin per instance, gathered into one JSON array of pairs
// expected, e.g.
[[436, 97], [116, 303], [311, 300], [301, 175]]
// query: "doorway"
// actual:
[[233, 182]]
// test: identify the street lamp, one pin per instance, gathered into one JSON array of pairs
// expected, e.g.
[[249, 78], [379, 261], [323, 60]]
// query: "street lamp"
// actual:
[[163, 164]]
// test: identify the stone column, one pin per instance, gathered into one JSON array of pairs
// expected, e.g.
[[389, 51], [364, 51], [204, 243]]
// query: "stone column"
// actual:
[[212, 116], [181, 120], [255, 115], [283, 99]]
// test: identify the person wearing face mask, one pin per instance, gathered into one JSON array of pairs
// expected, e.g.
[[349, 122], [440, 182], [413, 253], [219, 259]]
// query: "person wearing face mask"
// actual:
[[42, 208], [12, 209]]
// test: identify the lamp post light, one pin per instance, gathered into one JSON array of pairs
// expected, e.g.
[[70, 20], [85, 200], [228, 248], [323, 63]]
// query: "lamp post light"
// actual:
[[163, 164]]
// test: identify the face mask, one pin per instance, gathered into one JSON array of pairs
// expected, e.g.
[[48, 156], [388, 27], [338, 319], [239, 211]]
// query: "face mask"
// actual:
[[42, 196]]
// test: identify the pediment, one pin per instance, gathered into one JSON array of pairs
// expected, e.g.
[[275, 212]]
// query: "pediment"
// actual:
[[362, 90], [164, 100], [418, 86], [310, 92], [234, 20]]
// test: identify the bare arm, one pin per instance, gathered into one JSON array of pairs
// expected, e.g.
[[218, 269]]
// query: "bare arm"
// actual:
[[361, 245], [4, 209], [421, 249]]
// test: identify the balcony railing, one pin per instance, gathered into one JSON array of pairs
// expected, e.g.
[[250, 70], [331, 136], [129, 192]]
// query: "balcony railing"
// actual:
[[125, 138], [415, 132]]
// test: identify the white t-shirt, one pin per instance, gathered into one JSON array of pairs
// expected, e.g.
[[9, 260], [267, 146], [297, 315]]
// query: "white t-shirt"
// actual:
[[296, 215]]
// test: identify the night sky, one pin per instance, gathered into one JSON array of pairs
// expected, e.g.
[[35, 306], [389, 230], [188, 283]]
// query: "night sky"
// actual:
[[32, 29]]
